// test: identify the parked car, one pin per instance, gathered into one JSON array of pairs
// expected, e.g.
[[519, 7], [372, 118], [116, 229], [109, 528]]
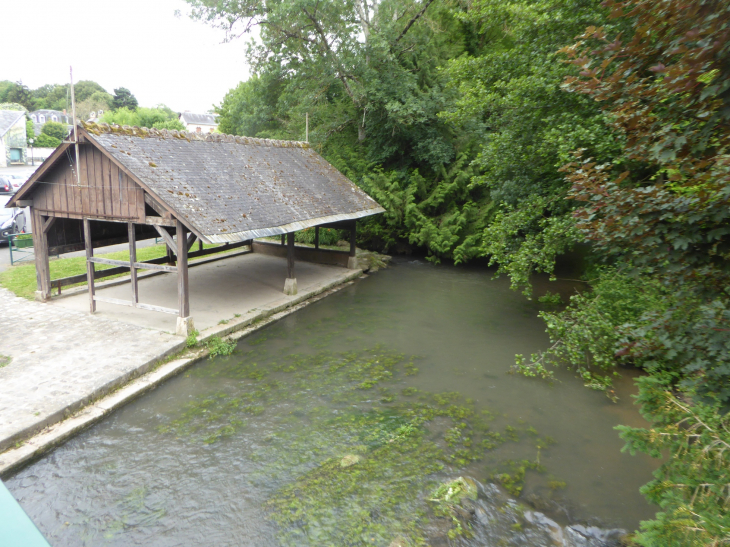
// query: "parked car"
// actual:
[[6, 185], [17, 181], [12, 221]]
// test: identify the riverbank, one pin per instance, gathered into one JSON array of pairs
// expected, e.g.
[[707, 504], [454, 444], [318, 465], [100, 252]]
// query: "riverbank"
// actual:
[[68, 369]]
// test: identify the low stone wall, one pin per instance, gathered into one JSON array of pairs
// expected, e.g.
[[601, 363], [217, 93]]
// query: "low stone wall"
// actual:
[[304, 254]]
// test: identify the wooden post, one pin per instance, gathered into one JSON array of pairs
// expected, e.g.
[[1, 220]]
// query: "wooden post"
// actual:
[[316, 237], [132, 260], [42, 268], [182, 272], [283, 239], [170, 259], [89, 264], [200, 244], [290, 255], [290, 285], [353, 235], [352, 260]]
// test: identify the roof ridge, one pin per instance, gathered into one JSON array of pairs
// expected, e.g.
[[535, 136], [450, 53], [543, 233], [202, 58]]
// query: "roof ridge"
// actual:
[[144, 132]]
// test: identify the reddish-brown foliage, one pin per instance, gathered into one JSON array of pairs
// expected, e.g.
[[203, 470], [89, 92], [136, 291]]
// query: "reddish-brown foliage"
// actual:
[[666, 89]]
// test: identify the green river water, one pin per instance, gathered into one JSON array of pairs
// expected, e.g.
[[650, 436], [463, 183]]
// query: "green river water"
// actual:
[[336, 426]]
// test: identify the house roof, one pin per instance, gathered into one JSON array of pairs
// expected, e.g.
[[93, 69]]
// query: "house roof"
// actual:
[[198, 119], [46, 111], [8, 118], [232, 188]]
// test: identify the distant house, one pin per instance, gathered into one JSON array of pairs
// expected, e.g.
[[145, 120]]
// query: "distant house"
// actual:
[[199, 123], [39, 117], [12, 137]]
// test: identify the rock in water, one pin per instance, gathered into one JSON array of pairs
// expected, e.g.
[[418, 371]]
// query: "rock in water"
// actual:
[[349, 460], [453, 492]]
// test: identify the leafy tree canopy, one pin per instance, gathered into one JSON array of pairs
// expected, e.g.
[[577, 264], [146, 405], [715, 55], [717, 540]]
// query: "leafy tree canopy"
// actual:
[[160, 117], [123, 98]]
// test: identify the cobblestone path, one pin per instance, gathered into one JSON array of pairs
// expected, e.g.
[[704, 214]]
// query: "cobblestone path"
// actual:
[[60, 358]]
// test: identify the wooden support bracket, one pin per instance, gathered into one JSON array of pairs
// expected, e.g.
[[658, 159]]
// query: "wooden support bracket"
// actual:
[[48, 223], [191, 240], [167, 237]]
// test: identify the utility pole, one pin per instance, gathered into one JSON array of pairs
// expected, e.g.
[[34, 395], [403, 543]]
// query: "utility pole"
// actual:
[[76, 136]]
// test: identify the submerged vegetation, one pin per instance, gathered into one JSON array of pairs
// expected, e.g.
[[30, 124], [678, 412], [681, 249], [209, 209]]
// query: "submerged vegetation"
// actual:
[[360, 460]]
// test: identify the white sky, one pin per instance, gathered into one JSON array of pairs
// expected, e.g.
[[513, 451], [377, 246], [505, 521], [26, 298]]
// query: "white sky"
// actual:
[[137, 44]]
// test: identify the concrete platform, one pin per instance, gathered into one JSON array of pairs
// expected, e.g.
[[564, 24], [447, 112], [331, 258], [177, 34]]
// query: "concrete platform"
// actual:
[[218, 291], [62, 359]]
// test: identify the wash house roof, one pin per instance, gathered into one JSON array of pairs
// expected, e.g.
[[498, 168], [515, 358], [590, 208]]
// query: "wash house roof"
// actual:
[[231, 188]]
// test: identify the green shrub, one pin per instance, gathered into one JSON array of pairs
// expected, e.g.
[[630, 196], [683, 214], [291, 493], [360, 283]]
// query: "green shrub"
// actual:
[[587, 335], [56, 130], [46, 141], [217, 346]]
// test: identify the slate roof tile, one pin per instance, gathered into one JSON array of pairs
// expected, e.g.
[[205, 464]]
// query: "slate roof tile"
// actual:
[[235, 188]]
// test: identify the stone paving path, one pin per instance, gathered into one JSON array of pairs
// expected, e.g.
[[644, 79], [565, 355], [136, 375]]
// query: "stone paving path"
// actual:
[[59, 357]]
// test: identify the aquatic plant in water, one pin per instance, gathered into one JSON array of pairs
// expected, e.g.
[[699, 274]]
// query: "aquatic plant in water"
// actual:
[[325, 408]]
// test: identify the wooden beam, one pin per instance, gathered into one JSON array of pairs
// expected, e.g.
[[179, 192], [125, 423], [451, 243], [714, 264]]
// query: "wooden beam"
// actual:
[[99, 274], [62, 249], [159, 209], [168, 238], [48, 223], [191, 240], [159, 221], [183, 292], [97, 260], [132, 261], [159, 267], [290, 255], [95, 216], [140, 265], [353, 237], [89, 264]]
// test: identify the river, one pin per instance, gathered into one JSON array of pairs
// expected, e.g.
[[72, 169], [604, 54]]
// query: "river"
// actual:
[[336, 425]]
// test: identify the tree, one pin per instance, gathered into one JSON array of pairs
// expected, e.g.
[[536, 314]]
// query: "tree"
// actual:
[[123, 98], [29, 129], [56, 130], [323, 42], [84, 89], [53, 97], [18, 93], [160, 117], [251, 108], [98, 101]]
